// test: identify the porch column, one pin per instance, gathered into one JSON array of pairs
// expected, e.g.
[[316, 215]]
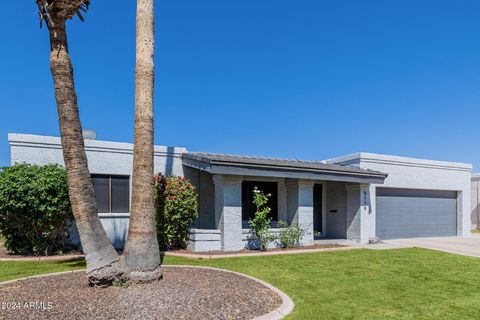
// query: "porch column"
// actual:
[[300, 206], [228, 211], [360, 220]]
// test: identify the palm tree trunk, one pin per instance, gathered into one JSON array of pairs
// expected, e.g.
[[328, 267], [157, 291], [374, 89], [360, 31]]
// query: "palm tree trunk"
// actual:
[[103, 263], [141, 253]]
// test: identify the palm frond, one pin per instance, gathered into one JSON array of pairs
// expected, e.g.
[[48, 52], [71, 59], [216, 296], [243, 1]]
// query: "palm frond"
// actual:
[[65, 9]]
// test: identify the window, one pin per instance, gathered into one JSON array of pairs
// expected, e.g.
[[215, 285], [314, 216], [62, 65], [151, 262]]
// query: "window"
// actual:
[[248, 208], [112, 193]]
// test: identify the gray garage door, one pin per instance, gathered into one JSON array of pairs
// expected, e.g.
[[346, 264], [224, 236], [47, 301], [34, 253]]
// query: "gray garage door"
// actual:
[[406, 213]]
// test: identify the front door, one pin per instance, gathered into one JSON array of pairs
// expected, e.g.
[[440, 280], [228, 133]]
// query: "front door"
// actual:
[[317, 207]]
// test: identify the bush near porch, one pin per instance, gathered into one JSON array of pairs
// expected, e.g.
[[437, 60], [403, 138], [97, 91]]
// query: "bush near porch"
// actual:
[[35, 209], [289, 236], [176, 205]]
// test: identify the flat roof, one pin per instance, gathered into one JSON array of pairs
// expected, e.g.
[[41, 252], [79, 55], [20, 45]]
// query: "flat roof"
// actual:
[[376, 157], [33, 141]]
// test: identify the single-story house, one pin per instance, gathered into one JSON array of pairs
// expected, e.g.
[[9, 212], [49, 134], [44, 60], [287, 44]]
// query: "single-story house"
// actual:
[[360, 197]]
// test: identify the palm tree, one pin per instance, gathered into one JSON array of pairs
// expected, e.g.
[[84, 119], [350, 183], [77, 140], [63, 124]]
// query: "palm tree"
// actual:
[[141, 253], [103, 262]]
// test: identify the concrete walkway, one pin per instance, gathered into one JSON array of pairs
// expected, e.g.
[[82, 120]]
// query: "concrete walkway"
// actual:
[[467, 246], [458, 245]]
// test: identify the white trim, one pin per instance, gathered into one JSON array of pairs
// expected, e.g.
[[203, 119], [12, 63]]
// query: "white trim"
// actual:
[[35, 141], [114, 215], [402, 161]]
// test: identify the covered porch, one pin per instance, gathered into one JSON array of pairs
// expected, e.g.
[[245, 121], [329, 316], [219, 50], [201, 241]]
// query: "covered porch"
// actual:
[[327, 201]]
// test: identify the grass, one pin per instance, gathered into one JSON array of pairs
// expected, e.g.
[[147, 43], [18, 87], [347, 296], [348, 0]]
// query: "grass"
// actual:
[[10, 270], [357, 284], [367, 284]]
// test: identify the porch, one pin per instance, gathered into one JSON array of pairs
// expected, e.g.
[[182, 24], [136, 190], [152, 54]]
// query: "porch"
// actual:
[[327, 201]]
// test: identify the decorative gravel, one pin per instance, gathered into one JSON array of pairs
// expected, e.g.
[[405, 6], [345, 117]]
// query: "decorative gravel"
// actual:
[[184, 293]]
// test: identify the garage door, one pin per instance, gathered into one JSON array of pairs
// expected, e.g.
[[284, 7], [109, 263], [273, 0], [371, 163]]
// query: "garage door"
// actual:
[[407, 213]]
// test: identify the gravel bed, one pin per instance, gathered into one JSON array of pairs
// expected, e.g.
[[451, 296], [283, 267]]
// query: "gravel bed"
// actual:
[[184, 293]]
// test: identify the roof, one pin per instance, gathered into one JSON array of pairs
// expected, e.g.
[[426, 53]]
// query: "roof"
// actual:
[[275, 167], [365, 157]]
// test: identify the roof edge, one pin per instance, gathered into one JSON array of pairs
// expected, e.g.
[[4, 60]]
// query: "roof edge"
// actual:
[[30, 140], [335, 169], [391, 159]]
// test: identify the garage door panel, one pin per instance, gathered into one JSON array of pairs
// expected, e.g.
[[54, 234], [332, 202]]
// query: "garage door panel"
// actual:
[[403, 214]]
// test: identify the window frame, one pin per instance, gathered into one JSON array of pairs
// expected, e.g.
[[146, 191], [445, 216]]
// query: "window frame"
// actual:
[[247, 184], [110, 198]]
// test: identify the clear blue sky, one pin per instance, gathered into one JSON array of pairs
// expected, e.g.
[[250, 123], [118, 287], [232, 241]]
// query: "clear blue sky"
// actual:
[[308, 79]]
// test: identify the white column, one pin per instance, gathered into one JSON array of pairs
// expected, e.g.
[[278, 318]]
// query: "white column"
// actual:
[[228, 211], [359, 214], [300, 206], [464, 214]]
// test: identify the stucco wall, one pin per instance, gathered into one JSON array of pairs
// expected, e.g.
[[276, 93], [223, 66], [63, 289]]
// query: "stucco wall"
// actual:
[[475, 200], [104, 157], [353, 217], [336, 214], [420, 174], [203, 182]]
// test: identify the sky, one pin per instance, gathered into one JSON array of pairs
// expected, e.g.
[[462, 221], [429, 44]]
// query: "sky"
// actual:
[[305, 79]]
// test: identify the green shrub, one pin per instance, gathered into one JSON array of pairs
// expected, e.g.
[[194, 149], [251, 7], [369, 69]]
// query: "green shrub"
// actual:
[[260, 224], [290, 235], [176, 205], [35, 209]]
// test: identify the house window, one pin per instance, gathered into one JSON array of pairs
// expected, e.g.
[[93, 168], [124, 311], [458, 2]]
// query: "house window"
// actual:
[[248, 208], [112, 193]]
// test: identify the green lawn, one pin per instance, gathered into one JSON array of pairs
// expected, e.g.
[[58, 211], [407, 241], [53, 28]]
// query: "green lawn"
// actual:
[[13, 270], [356, 284]]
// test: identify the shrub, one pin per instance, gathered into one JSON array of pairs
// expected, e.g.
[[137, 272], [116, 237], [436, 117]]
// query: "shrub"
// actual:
[[176, 205], [290, 235], [260, 224], [35, 209]]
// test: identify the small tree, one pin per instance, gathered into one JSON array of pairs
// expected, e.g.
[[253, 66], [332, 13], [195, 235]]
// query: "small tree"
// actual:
[[260, 224], [290, 236], [35, 209], [176, 205]]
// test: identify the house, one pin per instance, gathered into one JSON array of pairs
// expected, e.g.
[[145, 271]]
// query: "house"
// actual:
[[360, 197]]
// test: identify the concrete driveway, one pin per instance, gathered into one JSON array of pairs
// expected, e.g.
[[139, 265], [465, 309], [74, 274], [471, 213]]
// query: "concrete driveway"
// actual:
[[464, 246]]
